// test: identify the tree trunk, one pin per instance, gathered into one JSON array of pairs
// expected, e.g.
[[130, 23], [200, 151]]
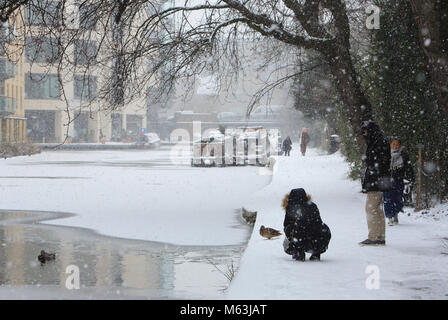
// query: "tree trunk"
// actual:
[[432, 25], [337, 54], [359, 108]]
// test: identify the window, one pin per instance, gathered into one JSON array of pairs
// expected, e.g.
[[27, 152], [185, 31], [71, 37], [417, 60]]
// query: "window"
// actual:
[[40, 125], [43, 50], [134, 125], [87, 16], [85, 87], [85, 51], [42, 86], [43, 12]]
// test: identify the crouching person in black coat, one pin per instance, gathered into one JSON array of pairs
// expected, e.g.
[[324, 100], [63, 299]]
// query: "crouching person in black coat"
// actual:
[[303, 227]]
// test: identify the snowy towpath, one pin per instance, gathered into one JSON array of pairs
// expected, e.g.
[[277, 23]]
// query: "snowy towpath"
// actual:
[[411, 265]]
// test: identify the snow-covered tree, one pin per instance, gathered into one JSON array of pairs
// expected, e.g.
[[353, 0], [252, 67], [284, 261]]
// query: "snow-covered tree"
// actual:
[[432, 21], [202, 29], [397, 77]]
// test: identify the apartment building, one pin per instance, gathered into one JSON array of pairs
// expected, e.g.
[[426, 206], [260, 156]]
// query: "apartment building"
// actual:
[[12, 112], [54, 113]]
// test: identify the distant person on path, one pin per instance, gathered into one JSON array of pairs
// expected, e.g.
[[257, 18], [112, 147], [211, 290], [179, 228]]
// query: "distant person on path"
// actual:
[[303, 227], [401, 172], [287, 146], [102, 140], [305, 138], [375, 180]]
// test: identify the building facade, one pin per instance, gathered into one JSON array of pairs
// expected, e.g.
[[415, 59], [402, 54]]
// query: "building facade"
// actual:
[[12, 111], [61, 106]]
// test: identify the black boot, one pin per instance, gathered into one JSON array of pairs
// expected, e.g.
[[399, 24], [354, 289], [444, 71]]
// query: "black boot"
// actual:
[[300, 255], [315, 257], [369, 242]]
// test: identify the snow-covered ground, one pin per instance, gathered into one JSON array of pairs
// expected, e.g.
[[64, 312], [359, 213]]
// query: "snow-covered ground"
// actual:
[[410, 266], [133, 194], [143, 195]]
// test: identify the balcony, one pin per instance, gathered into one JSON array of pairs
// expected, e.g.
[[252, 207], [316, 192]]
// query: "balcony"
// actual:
[[8, 106], [7, 69]]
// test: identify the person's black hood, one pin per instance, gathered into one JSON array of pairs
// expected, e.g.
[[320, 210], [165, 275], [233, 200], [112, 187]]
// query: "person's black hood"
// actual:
[[297, 196], [373, 131]]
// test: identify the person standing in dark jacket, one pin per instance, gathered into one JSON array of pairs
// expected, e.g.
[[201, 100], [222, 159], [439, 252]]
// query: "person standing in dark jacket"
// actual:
[[303, 226], [401, 171], [287, 143], [375, 180]]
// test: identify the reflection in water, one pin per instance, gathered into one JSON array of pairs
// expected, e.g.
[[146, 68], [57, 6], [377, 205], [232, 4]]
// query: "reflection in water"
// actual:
[[109, 267]]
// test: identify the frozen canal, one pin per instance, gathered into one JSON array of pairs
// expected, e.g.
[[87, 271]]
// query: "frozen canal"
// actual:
[[136, 223]]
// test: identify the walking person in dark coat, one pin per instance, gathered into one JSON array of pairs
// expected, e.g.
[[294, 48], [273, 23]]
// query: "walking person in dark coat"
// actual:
[[375, 180], [304, 140], [303, 227], [401, 172], [287, 146]]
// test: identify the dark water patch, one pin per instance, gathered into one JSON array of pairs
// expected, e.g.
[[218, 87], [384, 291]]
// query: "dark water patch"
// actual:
[[109, 267]]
